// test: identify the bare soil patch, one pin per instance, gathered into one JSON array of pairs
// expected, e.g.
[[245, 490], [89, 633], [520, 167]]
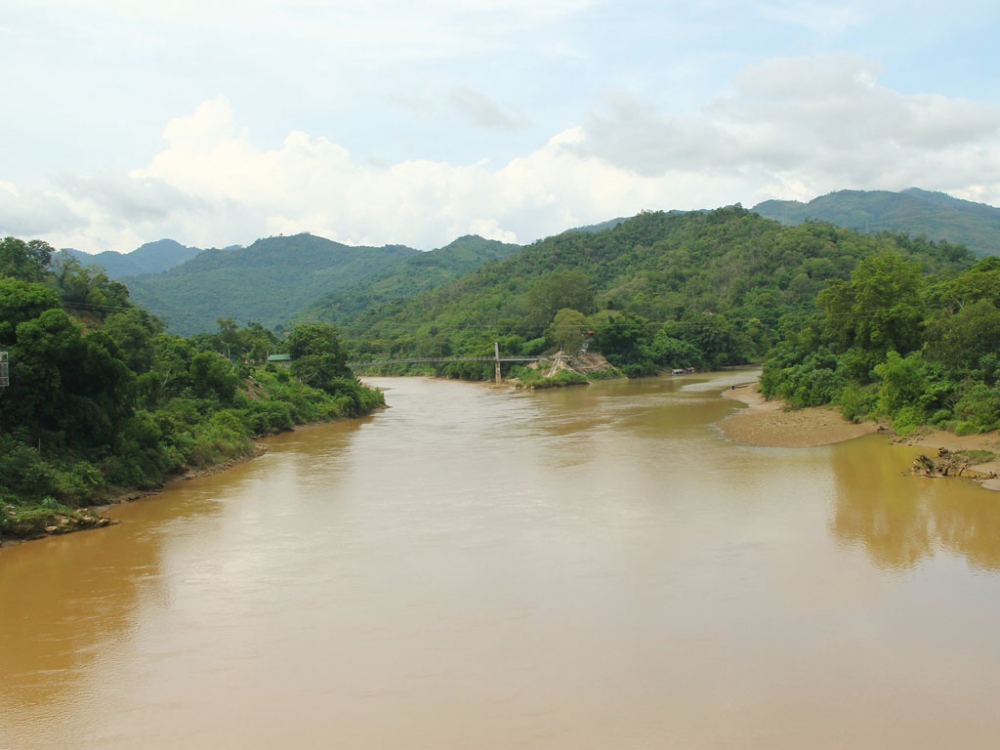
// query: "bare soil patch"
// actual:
[[772, 424]]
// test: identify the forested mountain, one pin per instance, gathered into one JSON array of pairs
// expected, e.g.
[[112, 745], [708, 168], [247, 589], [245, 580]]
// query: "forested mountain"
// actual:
[[916, 212], [659, 290], [99, 400], [408, 278], [153, 257], [268, 282]]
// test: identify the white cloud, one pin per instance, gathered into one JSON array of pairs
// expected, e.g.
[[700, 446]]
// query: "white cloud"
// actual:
[[210, 186], [792, 128], [34, 214], [820, 121]]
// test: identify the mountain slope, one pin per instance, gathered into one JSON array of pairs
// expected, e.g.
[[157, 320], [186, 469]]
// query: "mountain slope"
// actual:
[[267, 282], [410, 277], [916, 212], [725, 281], [153, 257]]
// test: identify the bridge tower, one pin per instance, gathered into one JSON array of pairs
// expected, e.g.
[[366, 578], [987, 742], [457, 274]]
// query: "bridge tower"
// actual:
[[4, 371], [496, 358]]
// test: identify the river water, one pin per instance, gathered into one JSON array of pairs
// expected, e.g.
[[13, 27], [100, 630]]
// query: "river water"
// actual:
[[476, 568]]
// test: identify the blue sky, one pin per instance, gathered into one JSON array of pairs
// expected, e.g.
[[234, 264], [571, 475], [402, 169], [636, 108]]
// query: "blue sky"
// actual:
[[216, 122]]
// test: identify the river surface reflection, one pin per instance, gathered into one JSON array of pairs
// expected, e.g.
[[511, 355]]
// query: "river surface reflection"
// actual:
[[476, 568]]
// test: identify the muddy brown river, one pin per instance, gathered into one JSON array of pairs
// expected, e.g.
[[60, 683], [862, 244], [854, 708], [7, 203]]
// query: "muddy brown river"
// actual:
[[478, 569]]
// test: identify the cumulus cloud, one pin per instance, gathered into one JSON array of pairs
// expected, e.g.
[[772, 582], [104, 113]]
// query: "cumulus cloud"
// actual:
[[125, 199], [34, 214], [820, 121], [211, 186], [792, 128]]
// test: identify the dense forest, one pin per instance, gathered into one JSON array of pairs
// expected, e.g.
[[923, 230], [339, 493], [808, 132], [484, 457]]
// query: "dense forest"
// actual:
[[406, 279], [658, 291], [895, 343], [100, 401]]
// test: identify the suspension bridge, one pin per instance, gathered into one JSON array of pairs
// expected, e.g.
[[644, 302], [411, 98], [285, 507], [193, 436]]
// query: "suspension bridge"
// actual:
[[496, 358]]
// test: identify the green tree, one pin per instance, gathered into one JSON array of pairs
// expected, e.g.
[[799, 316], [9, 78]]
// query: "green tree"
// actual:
[[21, 301], [133, 330], [27, 261], [317, 357], [568, 330], [556, 291], [87, 289], [667, 351], [74, 387], [719, 342], [878, 310], [624, 340], [228, 338], [213, 377], [257, 342], [962, 339]]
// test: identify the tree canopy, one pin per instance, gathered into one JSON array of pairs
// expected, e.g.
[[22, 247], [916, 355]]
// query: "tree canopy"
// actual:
[[101, 400]]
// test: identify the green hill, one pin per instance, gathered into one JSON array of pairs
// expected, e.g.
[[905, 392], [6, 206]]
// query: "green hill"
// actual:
[[268, 282], [723, 283], [916, 212], [153, 257], [408, 278]]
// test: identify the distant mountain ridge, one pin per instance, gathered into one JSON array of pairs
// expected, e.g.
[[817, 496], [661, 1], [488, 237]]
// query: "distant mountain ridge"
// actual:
[[267, 282], [916, 212], [152, 257], [278, 281]]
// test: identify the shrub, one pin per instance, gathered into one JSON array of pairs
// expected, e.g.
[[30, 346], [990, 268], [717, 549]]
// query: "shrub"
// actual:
[[857, 402], [907, 419], [979, 404]]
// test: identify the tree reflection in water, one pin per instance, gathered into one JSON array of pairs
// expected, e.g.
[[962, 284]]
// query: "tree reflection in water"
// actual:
[[902, 519]]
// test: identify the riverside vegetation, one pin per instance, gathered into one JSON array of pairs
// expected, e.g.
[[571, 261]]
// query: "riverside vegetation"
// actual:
[[102, 402], [895, 343]]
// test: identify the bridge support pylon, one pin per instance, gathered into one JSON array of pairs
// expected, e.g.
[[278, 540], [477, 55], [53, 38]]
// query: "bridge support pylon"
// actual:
[[496, 357]]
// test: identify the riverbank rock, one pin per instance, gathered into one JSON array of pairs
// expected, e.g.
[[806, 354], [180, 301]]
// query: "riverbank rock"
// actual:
[[35, 525], [564, 370], [947, 464]]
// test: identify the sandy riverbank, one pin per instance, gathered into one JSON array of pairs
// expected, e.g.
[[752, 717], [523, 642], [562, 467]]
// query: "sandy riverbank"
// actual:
[[769, 423]]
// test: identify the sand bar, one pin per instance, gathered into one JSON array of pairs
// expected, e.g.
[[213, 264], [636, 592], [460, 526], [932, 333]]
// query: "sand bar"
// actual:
[[771, 424]]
